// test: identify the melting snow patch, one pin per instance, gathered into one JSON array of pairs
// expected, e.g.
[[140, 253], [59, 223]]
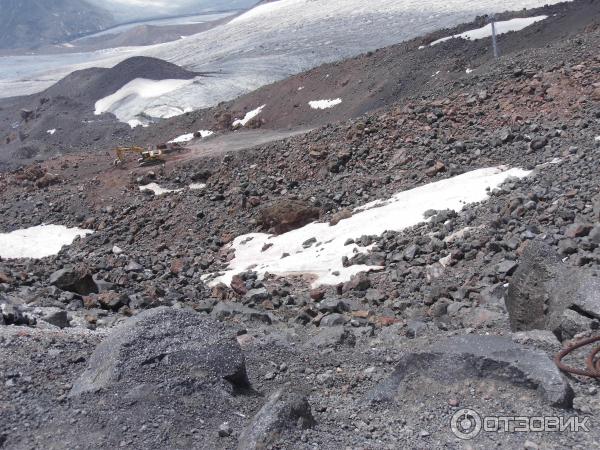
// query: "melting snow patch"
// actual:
[[132, 98], [501, 28], [197, 186], [324, 104], [188, 137], [264, 253], [38, 242], [248, 117], [52, 131], [157, 189], [469, 70], [597, 139]]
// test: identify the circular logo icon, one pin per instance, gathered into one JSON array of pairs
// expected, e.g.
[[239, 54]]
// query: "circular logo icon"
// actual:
[[466, 423]]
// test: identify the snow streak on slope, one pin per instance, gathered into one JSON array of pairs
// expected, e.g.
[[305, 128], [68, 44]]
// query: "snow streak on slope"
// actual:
[[503, 27], [324, 258], [279, 39], [324, 104], [248, 117], [190, 136]]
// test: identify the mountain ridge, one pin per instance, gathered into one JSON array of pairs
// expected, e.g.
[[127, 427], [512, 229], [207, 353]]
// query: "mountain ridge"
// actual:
[[31, 23]]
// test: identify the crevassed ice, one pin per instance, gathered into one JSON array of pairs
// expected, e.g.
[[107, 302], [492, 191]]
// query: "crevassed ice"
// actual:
[[39, 241], [323, 260], [266, 44], [135, 96]]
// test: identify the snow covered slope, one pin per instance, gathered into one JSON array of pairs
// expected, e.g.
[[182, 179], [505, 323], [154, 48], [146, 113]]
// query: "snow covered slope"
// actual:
[[279, 39]]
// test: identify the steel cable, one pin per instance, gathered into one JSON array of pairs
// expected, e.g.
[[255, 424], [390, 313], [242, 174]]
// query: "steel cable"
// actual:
[[592, 364]]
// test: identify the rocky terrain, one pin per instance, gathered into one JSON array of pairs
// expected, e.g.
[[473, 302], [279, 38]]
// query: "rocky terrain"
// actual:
[[121, 340]]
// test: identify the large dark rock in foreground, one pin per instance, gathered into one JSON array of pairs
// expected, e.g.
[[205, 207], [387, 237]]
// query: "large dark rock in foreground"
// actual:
[[165, 343], [546, 294], [474, 357]]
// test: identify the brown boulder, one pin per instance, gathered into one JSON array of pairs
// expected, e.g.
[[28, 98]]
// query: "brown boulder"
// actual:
[[285, 215]]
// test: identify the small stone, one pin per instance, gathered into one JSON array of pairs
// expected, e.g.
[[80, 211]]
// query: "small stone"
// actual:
[[333, 320], [225, 429], [578, 230], [530, 445], [58, 318], [438, 167], [453, 402]]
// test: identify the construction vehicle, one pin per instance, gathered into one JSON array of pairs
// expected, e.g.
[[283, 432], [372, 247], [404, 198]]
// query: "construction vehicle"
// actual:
[[147, 157]]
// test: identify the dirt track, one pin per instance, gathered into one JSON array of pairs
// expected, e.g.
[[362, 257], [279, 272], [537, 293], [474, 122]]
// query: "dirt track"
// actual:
[[241, 140]]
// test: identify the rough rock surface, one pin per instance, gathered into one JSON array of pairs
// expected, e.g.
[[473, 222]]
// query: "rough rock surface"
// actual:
[[164, 341], [467, 357]]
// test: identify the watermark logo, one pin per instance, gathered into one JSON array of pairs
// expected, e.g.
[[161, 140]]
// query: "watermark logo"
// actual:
[[468, 424]]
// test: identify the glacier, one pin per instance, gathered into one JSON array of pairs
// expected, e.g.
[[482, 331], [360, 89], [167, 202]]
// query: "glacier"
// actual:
[[266, 44]]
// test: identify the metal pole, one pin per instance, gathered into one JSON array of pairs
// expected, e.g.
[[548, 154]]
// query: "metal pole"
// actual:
[[495, 38]]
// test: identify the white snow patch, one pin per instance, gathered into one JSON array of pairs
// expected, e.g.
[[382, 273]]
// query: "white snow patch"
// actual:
[[188, 137], [51, 132], [39, 241], [248, 117], [197, 186], [133, 98], [469, 70], [323, 259], [597, 139], [324, 104], [501, 28], [136, 123], [157, 189]]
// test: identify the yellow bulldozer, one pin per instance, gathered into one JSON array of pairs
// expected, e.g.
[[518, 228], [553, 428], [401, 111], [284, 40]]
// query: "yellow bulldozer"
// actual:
[[147, 157]]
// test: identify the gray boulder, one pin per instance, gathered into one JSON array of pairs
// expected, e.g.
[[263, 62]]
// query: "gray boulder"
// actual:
[[527, 293], [226, 310], [467, 357], [284, 410], [332, 337], [165, 343], [74, 279], [543, 288], [57, 317]]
